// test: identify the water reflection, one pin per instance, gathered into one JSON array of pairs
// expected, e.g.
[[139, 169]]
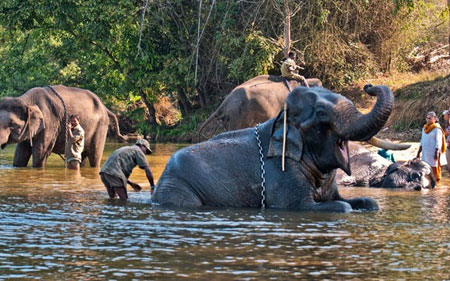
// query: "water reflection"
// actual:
[[58, 224]]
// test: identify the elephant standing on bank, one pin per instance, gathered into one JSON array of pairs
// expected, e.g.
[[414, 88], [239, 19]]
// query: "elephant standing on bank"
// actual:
[[254, 101], [226, 170], [36, 122]]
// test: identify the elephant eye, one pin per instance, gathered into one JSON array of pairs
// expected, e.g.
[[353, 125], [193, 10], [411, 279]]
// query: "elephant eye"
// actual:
[[415, 176], [321, 113]]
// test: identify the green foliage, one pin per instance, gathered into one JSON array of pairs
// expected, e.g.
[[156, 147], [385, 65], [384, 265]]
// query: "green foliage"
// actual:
[[136, 116], [247, 56], [202, 52]]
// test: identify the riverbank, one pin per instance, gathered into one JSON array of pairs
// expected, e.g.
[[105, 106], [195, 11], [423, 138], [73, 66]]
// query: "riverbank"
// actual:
[[415, 95]]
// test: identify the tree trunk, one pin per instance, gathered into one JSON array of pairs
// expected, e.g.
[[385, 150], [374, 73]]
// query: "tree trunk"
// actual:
[[185, 105], [202, 98], [151, 110], [287, 29]]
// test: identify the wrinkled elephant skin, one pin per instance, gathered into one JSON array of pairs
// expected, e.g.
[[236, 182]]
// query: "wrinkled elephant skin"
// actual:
[[35, 121], [225, 170]]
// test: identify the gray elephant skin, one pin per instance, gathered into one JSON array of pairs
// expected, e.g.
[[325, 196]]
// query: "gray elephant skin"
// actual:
[[226, 170], [370, 169], [255, 101], [39, 114]]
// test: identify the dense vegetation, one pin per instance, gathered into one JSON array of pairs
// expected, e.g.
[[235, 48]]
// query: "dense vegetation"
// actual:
[[140, 56]]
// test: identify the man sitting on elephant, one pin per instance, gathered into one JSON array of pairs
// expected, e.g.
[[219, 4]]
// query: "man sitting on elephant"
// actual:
[[289, 69], [75, 143], [119, 165]]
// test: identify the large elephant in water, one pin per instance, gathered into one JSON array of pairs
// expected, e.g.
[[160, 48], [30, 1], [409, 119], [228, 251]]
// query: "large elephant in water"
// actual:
[[370, 169], [254, 101], [243, 168], [36, 122]]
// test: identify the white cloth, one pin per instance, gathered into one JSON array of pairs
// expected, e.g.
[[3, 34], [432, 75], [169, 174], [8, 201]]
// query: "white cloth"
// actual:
[[430, 142]]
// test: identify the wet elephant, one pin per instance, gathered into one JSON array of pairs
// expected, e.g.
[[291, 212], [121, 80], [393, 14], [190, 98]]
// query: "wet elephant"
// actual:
[[370, 169], [254, 101], [226, 170], [36, 122]]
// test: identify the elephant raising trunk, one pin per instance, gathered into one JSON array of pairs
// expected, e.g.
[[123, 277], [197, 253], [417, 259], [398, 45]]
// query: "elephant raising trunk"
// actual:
[[361, 127], [313, 137]]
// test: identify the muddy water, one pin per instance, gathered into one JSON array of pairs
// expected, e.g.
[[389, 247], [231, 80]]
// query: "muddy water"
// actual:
[[57, 224]]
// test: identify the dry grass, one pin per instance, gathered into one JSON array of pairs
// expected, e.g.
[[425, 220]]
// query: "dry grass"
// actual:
[[166, 112]]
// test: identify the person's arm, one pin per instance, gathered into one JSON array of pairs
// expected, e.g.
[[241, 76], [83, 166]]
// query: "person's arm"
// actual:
[[134, 185], [74, 137], [438, 144], [149, 175], [418, 152]]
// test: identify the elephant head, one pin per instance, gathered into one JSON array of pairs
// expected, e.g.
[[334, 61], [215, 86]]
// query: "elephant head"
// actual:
[[320, 123], [411, 175], [19, 121]]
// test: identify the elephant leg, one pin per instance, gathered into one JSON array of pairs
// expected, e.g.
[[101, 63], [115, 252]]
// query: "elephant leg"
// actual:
[[43, 145], [173, 194], [96, 148], [22, 154], [362, 203], [84, 156], [331, 206]]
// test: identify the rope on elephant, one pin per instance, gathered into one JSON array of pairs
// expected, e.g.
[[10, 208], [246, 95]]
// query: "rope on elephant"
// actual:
[[66, 117], [263, 171]]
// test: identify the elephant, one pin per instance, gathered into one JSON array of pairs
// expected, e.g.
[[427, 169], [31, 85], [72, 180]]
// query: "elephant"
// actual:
[[244, 168], [370, 169], [37, 120], [254, 101]]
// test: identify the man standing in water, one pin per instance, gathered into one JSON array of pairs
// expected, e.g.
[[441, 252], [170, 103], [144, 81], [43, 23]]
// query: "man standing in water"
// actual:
[[119, 165], [432, 143], [75, 143]]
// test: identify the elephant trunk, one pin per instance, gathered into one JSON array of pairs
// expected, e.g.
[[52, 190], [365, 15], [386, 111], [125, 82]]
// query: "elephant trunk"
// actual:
[[360, 127]]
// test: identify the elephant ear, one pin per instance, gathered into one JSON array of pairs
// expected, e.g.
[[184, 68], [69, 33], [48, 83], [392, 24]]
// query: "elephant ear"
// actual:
[[294, 143], [35, 120]]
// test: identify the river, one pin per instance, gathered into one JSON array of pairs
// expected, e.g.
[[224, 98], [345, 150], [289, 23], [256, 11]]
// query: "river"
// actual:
[[57, 224]]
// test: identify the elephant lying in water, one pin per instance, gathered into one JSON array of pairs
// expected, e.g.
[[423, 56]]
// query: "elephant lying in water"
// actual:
[[370, 169], [36, 122], [226, 170], [254, 101]]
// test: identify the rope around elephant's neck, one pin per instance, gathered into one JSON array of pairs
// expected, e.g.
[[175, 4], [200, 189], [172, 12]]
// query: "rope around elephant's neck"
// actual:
[[263, 171], [65, 117]]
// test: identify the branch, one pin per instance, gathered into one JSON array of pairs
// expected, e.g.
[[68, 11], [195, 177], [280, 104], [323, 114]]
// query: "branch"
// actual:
[[140, 29], [200, 34], [108, 53]]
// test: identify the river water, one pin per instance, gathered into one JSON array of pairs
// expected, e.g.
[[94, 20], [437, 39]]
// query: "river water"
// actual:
[[57, 224]]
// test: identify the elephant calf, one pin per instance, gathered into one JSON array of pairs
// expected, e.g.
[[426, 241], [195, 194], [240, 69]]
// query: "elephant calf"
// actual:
[[243, 168], [370, 169]]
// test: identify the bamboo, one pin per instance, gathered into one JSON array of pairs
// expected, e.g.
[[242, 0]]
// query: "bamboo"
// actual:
[[283, 156]]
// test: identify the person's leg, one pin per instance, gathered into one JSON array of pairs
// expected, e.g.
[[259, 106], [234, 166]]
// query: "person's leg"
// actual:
[[436, 173], [109, 188], [447, 155], [122, 192], [301, 79]]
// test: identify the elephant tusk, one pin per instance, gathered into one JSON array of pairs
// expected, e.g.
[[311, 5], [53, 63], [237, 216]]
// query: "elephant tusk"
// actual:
[[381, 143]]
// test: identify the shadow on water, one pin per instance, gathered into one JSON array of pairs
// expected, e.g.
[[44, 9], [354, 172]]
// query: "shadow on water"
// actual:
[[58, 224]]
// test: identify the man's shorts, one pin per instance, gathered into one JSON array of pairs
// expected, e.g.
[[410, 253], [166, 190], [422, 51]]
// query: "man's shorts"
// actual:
[[114, 185]]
